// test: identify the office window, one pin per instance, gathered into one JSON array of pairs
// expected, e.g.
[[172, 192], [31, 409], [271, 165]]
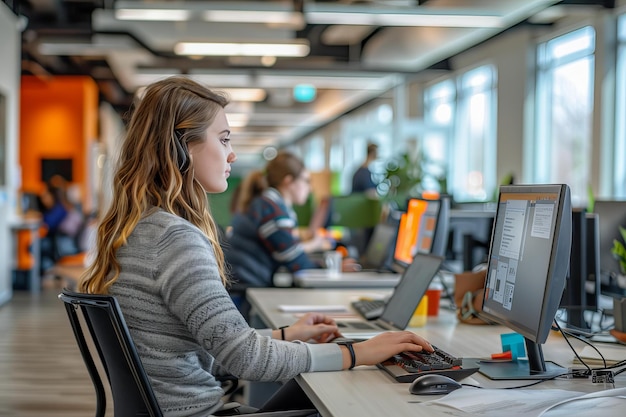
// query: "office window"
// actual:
[[467, 106], [3, 140], [314, 153], [474, 173], [564, 106], [335, 157], [619, 167], [439, 110]]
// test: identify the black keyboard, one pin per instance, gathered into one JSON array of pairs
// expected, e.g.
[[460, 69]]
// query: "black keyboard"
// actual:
[[406, 366], [369, 309]]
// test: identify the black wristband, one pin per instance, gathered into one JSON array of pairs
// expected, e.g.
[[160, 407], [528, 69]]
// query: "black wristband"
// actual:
[[351, 351], [282, 332]]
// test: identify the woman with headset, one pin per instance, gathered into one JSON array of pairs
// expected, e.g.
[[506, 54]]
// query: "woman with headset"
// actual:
[[158, 253]]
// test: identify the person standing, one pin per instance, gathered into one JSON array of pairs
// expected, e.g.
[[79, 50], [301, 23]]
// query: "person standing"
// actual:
[[362, 181]]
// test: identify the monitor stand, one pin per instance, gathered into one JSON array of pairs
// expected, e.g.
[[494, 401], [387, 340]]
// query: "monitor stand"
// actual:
[[532, 368], [518, 370]]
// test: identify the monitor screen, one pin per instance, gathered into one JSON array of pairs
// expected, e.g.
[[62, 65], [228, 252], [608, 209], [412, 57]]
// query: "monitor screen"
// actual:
[[51, 167], [527, 268], [423, 229], [611, 215]]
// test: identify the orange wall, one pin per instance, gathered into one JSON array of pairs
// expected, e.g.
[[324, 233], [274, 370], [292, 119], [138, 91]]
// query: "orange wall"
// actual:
[[58, 119]]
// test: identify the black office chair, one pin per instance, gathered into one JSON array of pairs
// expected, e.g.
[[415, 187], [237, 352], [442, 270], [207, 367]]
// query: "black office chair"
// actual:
[[130, 387]]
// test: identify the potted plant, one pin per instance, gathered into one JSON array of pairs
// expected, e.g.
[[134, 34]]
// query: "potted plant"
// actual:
[[619, 251], [408, 175]]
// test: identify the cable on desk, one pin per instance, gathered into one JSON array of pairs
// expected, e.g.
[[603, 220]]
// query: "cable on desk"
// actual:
[[567, 334]]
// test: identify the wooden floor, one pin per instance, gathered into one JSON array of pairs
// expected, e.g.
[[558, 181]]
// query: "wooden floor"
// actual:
[[41, 371]]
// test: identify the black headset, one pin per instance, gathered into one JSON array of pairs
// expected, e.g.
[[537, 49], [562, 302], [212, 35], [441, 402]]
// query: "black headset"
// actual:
[[182, 155]]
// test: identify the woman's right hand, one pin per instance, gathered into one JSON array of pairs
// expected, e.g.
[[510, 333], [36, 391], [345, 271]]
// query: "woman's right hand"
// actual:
[[384, 346], [350, 265]]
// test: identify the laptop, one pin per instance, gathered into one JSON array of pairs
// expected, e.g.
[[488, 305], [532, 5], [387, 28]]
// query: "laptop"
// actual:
[[401, 305], [379, 251]]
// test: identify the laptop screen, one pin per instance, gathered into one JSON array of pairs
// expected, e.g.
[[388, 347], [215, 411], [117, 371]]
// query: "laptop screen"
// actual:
[[417, 230], [410, 290], [379, 249]]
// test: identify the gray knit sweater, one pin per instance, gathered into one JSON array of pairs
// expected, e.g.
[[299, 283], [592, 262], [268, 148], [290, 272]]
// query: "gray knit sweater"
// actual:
[[186, 327]]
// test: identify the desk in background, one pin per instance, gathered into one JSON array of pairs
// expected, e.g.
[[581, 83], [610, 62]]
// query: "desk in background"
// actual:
[[318, 278], [32, 249], [368, 391]]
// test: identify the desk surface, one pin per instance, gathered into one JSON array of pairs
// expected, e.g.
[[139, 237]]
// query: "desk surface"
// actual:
[[319, 278], [367, 391]]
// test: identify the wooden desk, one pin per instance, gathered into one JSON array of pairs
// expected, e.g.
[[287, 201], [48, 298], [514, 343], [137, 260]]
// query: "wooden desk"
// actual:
[[367, 391]]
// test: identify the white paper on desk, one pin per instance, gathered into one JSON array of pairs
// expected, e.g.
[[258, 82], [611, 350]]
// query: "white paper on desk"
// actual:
[[606, 403], [303, 308], [612, 354], [494, 402]]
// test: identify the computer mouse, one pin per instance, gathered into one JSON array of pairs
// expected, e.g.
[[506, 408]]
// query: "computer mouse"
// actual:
[[433, 384]]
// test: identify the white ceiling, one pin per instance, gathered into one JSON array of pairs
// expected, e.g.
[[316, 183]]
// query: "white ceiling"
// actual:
[[348, 64]]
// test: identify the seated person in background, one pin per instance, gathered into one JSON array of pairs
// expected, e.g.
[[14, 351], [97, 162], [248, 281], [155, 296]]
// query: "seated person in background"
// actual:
[[264, 228], [54, 212], [63, 219], [158, 253], [53, 205]]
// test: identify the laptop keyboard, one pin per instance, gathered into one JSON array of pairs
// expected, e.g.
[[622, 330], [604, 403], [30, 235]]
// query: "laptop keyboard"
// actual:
[[407, 366], [369, 309]]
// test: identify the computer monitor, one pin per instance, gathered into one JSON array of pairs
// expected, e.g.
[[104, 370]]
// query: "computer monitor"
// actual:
[[423, 229], [51, 167], [611, 215], [527, 267], [592, 283], [582, 286]]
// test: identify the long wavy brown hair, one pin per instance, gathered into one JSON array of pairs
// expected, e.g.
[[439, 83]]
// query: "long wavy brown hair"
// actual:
[[148, 174]]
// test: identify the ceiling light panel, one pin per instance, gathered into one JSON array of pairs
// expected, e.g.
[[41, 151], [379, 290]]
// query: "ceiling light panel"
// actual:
[[281, 14], [291, 19], [296, 49], [329, 14], [154, 15], [340, 82], [245, 94]]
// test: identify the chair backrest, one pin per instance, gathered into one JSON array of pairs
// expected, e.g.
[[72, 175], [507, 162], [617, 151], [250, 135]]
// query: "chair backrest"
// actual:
[[131, 390]]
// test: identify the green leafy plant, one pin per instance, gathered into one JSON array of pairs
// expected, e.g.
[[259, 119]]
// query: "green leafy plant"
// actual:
[[407, 175], [619, 250]]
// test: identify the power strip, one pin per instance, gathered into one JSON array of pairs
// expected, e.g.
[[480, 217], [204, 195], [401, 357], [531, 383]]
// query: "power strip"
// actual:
[[602, 377]]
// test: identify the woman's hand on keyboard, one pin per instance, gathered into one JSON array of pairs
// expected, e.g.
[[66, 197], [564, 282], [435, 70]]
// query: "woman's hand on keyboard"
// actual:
[[385, 345]]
